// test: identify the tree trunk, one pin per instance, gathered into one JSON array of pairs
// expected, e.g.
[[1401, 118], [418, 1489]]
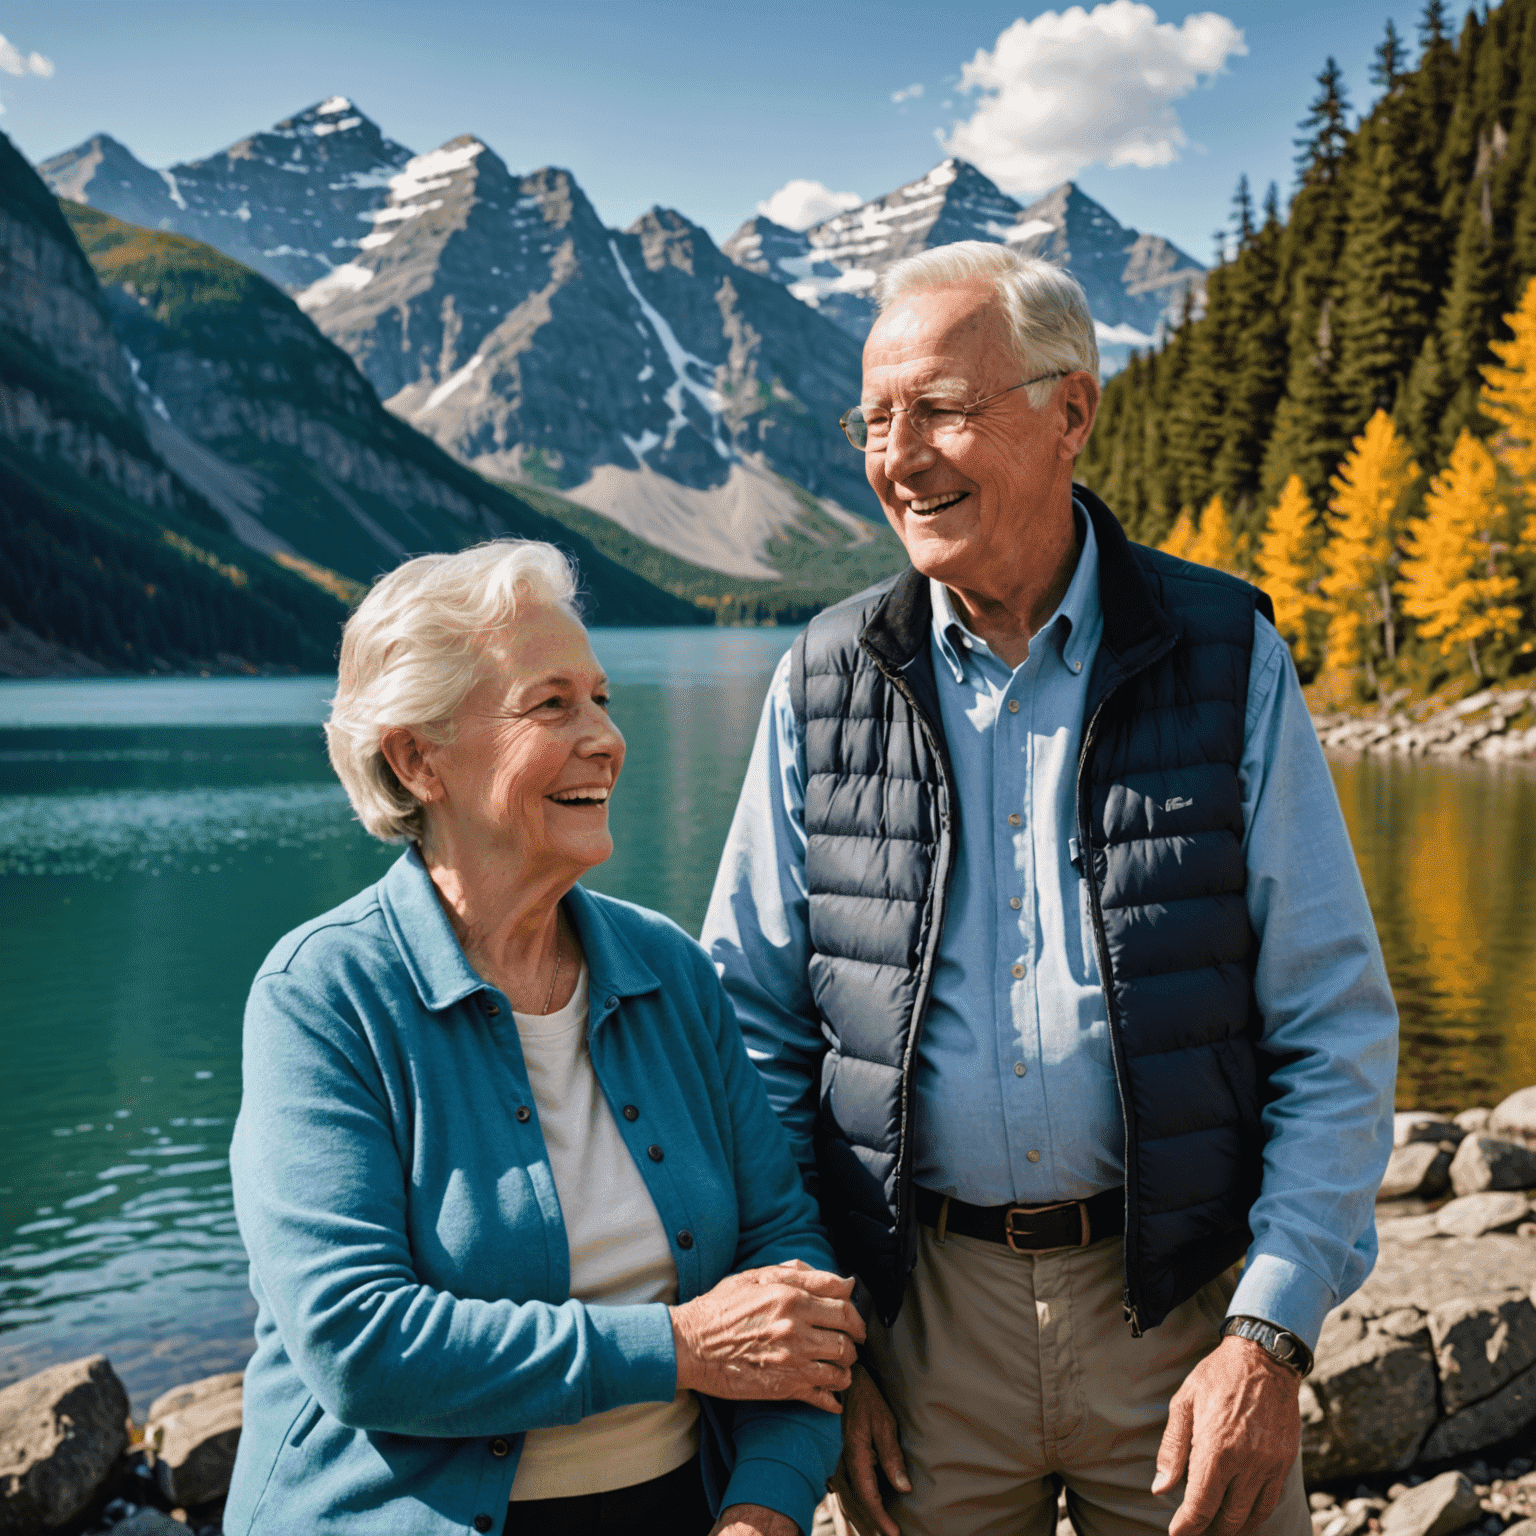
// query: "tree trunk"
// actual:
[[1389, 628], [1477, 666]]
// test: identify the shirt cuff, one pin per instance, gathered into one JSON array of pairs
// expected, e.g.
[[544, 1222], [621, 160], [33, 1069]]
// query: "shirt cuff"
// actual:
[[775, 1485], [1284, 1293], [633, 1357]]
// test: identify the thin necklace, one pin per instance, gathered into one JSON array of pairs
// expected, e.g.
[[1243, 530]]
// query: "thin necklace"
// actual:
[[556, 977]]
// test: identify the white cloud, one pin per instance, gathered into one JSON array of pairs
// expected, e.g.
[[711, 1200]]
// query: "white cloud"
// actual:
[[1079, 88], [13, 62], [798, 204], [908, 93]]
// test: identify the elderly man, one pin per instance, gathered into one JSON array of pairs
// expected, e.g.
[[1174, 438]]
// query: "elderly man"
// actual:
[[1045, 932]]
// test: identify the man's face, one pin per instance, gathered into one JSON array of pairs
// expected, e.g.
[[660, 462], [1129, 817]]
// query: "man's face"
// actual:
[[971, 507]]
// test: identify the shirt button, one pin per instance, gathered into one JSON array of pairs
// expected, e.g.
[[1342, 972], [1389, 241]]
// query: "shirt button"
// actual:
[[655, 1154], [1034, 1157], [630, 1112], [499, 1447], [1013, 706], [611, 1002], [1017, 969], [1015, 903], [491, 1010], [1077, 666], [483, 1523], [524, 1114], [1019, 1069], [1015, 820], [685, 1238]]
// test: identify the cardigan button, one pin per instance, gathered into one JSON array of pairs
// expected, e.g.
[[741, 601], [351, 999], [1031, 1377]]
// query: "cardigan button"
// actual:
[[685, 1238], [524, 1114], [483, 1523], [655, 1154], [630, 1112], [499, 1447]]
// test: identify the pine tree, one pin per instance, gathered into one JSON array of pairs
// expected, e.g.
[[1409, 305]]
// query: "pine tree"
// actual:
[[1391, 62], [1455, 579], [1290, 565], [1215, 545], [1509, 394], [1367, 510], [1182, 537]]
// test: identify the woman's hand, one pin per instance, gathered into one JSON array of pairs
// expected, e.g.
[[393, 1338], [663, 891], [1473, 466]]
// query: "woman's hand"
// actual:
[[787, 1331]]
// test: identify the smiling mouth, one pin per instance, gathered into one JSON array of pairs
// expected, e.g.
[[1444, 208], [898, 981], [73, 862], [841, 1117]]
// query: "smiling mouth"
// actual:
[[580, 797], [926, 506]]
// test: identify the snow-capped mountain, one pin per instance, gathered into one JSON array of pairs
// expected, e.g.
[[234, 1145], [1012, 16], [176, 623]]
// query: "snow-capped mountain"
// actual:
[[290, 203], [1132, 280]]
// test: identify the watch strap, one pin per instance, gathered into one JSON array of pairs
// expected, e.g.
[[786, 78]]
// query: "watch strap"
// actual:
[[1278, 1343]]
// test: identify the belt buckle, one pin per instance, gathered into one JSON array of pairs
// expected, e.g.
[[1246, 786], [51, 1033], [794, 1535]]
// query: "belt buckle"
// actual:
[[1010, 1231]]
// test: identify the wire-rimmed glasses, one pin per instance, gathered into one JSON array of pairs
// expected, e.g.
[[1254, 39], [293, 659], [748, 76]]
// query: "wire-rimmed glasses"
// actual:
[[868, 428]]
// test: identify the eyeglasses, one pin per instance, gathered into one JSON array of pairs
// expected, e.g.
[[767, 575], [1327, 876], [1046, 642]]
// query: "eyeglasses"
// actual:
[[868, 428]]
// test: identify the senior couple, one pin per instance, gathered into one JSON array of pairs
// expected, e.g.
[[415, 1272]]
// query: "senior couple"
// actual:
[[1038, 994]]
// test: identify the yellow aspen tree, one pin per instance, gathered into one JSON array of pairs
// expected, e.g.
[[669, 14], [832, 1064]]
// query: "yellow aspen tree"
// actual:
[[1454, 580], [1509, 393], [1290, 564], [1360, 553], [1181, 537], [1215, 545]]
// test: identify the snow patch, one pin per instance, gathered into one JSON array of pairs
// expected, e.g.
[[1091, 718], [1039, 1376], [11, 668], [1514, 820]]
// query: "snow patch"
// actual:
[[175, 191], [155, 401], [451, 383], [392, 214], [814, 289], [1016, 234], [645, 373], [348, 278], [376, 239], [640, 446], [321, 129], [332, 105], [420, 169], [243, 213]]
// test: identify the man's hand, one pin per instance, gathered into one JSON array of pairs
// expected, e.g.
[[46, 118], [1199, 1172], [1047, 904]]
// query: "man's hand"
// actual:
[[869, 1435], [1235, 1426], [753, 1520]]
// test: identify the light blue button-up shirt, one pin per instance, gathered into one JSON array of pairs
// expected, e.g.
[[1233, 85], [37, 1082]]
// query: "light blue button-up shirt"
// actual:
[[1014, 1083]]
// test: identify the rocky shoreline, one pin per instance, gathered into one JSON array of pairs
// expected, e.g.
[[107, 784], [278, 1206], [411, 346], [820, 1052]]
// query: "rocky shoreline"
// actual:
[[1494, 724], [1419, 1420]]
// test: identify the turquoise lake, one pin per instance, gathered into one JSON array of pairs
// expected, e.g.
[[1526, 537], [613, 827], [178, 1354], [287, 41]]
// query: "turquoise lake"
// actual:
[[157, 835]]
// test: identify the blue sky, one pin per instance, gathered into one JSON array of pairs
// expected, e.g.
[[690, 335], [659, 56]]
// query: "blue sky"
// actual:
[[710, 108]]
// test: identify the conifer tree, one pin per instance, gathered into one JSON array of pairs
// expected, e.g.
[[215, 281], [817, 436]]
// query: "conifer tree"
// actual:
[[1289, 562], [1509, 394], [1391, 62], [1215, 544], [1182, 536], [1455, 579], [1367, 511]]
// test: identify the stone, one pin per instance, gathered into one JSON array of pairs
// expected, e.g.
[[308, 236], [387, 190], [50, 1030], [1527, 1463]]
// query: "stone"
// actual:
[[1521, 1528], [1425, 1275], [1473, 1119], [1407, 1229], [1480, 1343], [1516, 1116], [1477, 1215], [1490, 1162], [1488, 1422], [1367, 1406], [1418, 1168], [1436, 1508], [1415, 1125], [60, 1432], [149, 1522], [194, 1432]]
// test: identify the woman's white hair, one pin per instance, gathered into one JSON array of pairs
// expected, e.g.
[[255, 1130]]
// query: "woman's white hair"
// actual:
[[412, 651], [1046, 308]]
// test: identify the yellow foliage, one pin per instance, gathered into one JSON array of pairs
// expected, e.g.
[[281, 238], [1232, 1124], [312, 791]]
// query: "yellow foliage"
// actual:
[[1181, 538], [1215, 544], [231, 573], [1366, 517], [350, 592], [1454, 580], [1289, 564], [1509, 395]]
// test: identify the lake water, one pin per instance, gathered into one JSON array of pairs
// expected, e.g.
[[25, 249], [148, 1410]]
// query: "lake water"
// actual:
[[156, 837]]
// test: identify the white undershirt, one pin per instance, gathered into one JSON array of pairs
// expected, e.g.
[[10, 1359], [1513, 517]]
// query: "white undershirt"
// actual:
[[619, 1256]]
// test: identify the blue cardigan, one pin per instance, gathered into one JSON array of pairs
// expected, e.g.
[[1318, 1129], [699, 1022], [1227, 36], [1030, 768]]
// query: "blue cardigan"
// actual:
[[408, 1257]]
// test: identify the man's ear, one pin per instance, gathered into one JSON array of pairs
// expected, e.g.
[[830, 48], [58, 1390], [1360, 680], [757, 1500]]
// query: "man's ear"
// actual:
[[411, 757], [1079, 400]]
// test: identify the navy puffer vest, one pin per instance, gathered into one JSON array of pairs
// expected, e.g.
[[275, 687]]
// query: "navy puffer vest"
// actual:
[[1160, 825]]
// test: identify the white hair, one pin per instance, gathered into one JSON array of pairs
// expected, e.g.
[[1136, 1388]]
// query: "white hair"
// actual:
[[412, 651], [1045, 308]]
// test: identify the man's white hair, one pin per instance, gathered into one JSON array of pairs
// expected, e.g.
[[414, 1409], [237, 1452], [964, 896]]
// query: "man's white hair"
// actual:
[[1045, 308], [412, 651]]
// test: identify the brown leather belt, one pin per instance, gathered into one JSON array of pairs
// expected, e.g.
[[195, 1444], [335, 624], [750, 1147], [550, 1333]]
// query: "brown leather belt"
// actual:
[[1027, 1228]]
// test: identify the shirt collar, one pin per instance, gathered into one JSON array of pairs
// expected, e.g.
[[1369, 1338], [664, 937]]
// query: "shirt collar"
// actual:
[[1073, 621], [435, 960]]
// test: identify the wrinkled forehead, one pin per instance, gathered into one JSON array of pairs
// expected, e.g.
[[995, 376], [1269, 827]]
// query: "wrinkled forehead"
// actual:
[[939, 340]]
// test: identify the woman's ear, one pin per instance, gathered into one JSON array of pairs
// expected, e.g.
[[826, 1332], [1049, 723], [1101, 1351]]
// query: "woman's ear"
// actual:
[[411, 757]]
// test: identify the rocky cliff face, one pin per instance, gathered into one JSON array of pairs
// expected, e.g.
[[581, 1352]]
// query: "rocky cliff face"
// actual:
[[290, 203]]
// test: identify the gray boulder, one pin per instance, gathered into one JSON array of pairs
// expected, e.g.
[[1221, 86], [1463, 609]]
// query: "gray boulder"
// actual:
[[1418, 1168], [1480, 1343], [194, 1432], [60, 1432], [1477, 1215], [1369, 1404], [1436, 1508], [1490, 1162], [1414, 1125], [1495, 1418], [1516, 1116], [1473, 1119]]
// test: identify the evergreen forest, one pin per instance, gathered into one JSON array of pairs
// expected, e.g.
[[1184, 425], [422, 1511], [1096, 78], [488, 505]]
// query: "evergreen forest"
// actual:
[[1350, 419]]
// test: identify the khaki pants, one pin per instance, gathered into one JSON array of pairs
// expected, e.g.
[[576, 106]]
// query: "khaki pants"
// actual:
[[1008, 1372]]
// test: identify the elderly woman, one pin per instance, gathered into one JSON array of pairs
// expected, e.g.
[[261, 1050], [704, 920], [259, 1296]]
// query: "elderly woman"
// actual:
[[528, 1245]]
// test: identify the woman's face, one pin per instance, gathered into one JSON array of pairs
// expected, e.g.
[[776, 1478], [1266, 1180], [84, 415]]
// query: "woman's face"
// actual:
[[534, 755]]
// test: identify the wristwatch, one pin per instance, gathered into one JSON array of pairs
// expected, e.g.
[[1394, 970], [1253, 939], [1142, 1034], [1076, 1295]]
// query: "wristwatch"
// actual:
[[1276, 1342]]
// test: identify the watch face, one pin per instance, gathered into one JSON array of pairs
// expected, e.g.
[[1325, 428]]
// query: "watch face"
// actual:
[[1284, 1346]]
